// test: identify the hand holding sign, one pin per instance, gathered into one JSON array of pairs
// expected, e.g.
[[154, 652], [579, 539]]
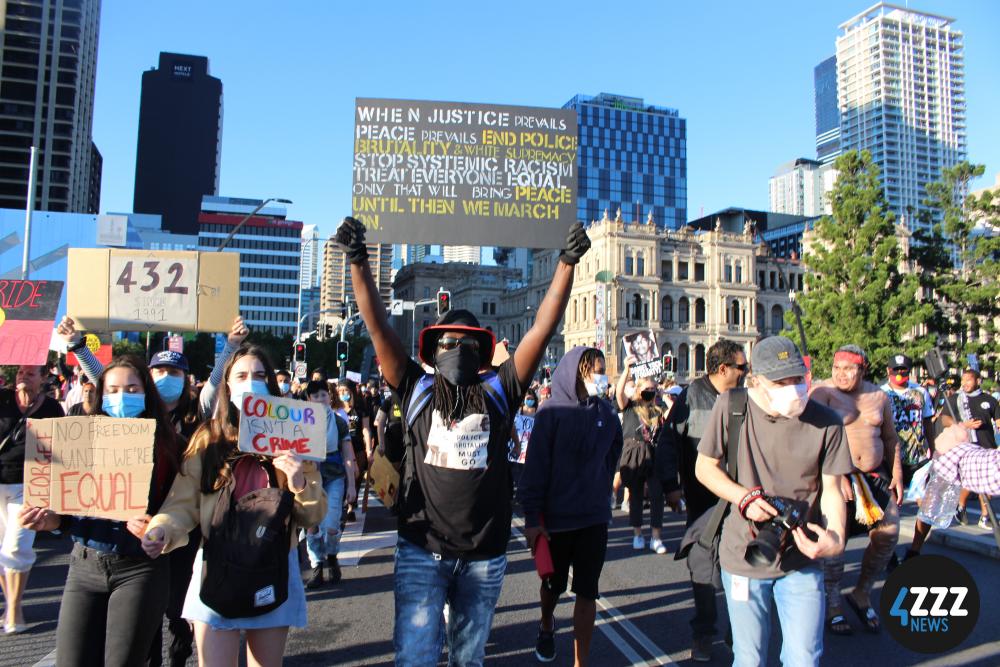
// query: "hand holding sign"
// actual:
[[238, 333], [290, 464], [153, 542], [38, 518]]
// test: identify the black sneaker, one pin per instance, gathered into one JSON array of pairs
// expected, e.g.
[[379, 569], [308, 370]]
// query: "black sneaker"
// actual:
[[316, 580], [545, 646], [351, 516], [962, 517], [331, 562]]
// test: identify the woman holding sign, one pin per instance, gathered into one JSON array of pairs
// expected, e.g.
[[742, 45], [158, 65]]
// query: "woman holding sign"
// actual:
[[113, 589], [16, 552], [219, 489]]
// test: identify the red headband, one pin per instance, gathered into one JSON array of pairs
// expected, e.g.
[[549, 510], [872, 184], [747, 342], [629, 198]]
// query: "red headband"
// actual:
[[849, 357]]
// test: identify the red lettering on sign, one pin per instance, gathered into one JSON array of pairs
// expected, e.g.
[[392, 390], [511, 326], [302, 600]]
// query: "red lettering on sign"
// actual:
[[257, 438], [65, 491]]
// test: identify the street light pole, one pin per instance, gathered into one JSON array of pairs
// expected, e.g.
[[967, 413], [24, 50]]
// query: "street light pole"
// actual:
[[413, 323], [248, 216]]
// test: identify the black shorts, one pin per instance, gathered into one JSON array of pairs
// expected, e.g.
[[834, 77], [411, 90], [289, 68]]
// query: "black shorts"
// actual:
[[584, 549]]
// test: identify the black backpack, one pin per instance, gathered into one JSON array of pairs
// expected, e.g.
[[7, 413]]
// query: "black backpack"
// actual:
[[246, 551], [636, 462]]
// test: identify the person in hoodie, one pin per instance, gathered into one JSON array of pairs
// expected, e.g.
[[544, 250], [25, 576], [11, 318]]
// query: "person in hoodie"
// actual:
[[572, 456], [455, 489]]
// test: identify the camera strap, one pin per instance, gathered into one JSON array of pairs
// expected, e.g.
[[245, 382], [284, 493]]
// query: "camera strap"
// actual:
[[737, 416]]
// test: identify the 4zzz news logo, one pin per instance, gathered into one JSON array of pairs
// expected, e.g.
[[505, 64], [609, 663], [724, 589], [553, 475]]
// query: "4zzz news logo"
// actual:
[[932, 603]]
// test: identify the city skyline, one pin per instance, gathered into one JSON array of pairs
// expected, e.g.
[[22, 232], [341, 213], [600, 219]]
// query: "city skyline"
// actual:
[[289, 109]]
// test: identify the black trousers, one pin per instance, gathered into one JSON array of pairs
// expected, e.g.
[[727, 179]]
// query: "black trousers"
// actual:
[[706, 613], [111, 607], [181, 564]]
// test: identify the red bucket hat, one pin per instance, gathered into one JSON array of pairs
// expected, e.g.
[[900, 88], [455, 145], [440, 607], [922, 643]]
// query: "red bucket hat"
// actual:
[[459, 321]]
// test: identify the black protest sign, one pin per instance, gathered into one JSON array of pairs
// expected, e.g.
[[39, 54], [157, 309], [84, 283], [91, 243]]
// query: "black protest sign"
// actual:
[[464, 174], [642, 346], [27, 312]]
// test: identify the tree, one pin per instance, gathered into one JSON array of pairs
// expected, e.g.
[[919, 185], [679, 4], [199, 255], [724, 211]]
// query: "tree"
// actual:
[[856, 289], [958, 250]]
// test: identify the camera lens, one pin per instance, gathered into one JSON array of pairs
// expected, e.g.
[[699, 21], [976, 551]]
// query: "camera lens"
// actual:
[[763, 550]]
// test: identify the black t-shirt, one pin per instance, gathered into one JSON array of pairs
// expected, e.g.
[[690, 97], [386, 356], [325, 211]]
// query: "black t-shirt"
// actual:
[[13, 423], [458, 504], [983, 407], [393, 427]]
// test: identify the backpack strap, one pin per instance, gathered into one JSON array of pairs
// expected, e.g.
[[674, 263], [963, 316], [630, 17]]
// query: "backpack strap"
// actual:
[[421, 395], [737, 415], [494, 391]]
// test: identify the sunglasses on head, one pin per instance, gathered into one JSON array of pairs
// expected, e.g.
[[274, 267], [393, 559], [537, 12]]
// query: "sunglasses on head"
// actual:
[[450, 343]]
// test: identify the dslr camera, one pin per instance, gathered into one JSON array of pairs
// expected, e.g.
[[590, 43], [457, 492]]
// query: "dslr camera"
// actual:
[[773, 536]]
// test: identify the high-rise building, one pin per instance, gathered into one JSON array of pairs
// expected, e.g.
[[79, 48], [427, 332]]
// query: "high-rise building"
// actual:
[[180, 141], [48, 60], [310, 257], [827, 111], [336, 287], [466, 254], [801, 187], [270, 248], [901, 92], [632, 156]]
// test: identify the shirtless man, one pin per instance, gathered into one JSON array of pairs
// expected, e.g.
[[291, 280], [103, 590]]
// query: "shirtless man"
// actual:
[[871, 436]]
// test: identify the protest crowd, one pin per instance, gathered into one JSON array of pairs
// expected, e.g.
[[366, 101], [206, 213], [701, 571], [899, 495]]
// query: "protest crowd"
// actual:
[[774, 467]]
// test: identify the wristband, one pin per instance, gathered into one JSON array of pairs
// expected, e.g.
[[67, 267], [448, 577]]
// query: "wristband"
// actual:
[[78, 345], [755, 493]]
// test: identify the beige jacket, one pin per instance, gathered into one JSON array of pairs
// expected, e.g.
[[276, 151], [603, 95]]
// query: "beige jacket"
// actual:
[[186, 506]]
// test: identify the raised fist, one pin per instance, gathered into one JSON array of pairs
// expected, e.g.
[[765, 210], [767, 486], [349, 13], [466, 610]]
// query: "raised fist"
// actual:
[[351, 239], [577, 245]]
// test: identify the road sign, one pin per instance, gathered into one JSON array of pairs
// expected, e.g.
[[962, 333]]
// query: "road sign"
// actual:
[[396, 307], [176, 344], [300, 370]]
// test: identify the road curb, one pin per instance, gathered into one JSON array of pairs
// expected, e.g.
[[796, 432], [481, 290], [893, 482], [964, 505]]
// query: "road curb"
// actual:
[[962, 539]]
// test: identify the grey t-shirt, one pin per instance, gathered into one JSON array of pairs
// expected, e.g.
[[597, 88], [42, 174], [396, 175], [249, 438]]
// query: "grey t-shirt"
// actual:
[[787, 458]]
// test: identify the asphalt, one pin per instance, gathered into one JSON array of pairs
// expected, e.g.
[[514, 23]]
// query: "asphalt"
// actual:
[[642, 619]]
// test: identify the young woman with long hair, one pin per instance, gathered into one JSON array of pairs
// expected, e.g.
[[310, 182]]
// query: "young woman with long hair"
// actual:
[[359, 423], [114, 589], [213, 463]]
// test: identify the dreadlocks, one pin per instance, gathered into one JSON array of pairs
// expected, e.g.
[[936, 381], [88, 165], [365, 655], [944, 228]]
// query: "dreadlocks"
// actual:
[[453, 402]]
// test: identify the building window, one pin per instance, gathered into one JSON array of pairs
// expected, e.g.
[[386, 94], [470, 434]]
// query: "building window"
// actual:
[[734, 312], [739, 273], [682, 271], [628, 265], [486, 308], [637, 307], [493, 308], [641, 265], [699, 358], [682, 359], [683, 311], [667, 269], [667, 310], [699, 311], [777, 319], [727, 273], [699, 272]]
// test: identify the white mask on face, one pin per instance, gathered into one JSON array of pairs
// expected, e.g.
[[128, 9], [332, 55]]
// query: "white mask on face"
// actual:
[[789, 400], [598, 386]]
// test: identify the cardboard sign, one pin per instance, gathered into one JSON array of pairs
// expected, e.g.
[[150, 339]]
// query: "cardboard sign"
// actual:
[[101, 466], [271, 425], [457, 173], [37, 462], [385, 479], [27, 312], [144, 290], [642, 346]]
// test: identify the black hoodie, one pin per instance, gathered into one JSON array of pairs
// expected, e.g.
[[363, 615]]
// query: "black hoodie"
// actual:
[[572, 456]]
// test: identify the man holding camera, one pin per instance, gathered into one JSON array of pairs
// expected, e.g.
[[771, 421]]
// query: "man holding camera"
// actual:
[[787, 507]]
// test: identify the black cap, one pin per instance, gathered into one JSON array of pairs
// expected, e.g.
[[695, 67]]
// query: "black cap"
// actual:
[[900, 361], [169, 358]]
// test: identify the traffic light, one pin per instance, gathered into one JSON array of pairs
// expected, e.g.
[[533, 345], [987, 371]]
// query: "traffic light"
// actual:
[[668, 363], [444, 302], [342, 351], [329, 331], [300, 351], [343, 310], [320, 330]]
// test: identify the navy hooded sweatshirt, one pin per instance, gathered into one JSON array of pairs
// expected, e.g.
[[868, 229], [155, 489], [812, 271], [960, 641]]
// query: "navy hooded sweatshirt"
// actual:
[[572, 456]]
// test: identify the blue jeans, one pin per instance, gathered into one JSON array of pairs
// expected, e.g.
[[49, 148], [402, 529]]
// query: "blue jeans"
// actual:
[[424, 583], [326, 541], [799, 599]]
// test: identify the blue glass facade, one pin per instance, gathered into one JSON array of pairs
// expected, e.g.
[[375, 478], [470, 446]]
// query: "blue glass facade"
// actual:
[[827, 110], [632, 156]]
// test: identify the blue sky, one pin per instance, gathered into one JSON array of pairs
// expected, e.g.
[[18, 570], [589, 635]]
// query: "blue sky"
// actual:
[[740, 72]]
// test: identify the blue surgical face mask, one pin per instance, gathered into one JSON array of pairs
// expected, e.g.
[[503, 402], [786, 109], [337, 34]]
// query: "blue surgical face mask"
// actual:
[[345, 398], [529, 402], [283, 387], [123, 404], [170, 387], [237, 390]]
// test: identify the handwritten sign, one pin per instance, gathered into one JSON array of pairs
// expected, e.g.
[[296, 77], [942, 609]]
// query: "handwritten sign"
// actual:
[[271, 425], [136, 290], [27, 311], [37, 462], [457, 173], [101, 466], [642, 346]]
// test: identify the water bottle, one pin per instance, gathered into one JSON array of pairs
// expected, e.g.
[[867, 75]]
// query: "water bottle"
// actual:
[[940, 501]]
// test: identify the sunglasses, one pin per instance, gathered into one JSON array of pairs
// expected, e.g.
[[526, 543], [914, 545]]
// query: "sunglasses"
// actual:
[[743, 368], [901, 371], [448, 343]]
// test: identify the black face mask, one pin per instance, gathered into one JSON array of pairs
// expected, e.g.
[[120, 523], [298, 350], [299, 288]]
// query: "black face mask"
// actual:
[[648, 395], [459, 366]]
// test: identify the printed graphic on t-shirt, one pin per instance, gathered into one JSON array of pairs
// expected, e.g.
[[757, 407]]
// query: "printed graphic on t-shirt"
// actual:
[[523, 424], [458, 444], [907, 413]]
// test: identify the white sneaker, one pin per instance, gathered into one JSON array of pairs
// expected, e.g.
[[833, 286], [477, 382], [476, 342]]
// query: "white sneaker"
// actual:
[[638, 542], [984, 523], [625, 507], [657, 546]]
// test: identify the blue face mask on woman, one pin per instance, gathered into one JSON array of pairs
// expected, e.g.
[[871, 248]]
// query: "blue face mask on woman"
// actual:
[[124, 404], [247, 387], [529, 402], [170, 387]]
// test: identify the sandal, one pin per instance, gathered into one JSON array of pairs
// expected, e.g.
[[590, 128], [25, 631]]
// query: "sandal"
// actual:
[[867, 615], [838, 625]]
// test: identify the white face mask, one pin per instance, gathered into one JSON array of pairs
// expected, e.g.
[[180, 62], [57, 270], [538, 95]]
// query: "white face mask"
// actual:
[[629, 392], [598, 385], [789, 400]]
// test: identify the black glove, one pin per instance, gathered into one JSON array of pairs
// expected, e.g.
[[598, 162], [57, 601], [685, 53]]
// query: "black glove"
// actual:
[[577, 245], [351, 239]]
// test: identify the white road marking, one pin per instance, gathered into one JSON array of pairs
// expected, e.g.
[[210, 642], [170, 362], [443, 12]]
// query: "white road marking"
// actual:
[[354, 543], [47, 661]]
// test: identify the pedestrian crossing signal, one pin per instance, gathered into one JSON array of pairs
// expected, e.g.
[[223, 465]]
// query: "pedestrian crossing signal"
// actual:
[[668, 363], [443, 302], [300, 351], [342, 350]]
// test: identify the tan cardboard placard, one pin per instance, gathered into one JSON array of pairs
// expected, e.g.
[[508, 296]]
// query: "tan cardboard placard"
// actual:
[[101, 466], [37, 462], [147, 290], [271, 425]]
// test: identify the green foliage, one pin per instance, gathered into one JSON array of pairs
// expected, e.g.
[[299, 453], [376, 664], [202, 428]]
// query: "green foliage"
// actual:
[[961, 264], [855, 289], [118, 348]]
